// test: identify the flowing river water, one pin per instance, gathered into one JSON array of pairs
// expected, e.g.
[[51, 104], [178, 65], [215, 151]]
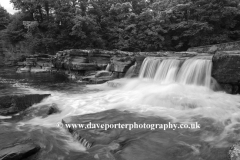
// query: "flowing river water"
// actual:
[[172, 90]]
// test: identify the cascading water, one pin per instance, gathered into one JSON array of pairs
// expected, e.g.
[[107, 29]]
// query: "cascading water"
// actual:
[[149, 67], [195, 71], [108, 67], [167, 71], [130, 71], [159, 96]]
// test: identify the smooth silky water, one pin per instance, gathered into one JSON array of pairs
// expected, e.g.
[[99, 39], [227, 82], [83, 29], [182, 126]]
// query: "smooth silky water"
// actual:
[[172, 90]]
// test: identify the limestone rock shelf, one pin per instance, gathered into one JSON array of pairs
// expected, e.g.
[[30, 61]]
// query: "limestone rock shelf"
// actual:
[[80, 62], [13, 104], [226, 70]]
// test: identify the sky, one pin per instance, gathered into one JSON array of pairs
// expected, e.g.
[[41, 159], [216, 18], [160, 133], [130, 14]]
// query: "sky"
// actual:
[[8, 6]]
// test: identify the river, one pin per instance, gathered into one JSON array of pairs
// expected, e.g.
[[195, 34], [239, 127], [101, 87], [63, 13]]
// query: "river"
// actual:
[[138, 100]]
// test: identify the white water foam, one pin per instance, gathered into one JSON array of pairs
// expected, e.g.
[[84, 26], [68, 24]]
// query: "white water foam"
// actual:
[[177, 101], [195, 70]]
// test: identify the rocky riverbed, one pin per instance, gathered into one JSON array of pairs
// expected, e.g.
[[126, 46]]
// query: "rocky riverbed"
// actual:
[[40, 109], [36, 109]]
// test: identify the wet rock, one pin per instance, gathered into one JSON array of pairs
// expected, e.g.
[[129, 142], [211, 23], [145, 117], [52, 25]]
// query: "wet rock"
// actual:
[[100, 155], [44, 62], [228, 88], [38, 111], [226, 67], [100, 80], [121, 64], [97, 59], [16, 144], [74, 59], [40, 69], [93, 135], [106, 153], [235, 89], [139, 143], [16, 103], [116, 83], [103, 74], [18, 151], [30, 62], [20, 64], [24, 69], [139, 61], [100, 57], [104, 156], [234, 152], [98, 77], [53, 109], [83, 66]]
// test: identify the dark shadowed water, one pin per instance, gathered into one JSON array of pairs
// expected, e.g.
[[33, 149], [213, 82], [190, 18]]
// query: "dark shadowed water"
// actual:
[[18, 83], [140, 101]]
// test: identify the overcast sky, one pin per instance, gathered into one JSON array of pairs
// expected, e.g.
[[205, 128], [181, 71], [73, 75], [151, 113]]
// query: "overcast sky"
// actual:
[[8, 6]]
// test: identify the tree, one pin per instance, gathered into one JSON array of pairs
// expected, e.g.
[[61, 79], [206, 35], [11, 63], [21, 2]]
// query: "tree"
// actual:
[[130, 25], [4, 18]]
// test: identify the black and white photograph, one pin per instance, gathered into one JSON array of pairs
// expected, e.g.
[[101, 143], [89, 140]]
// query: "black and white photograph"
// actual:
[[119, 79]]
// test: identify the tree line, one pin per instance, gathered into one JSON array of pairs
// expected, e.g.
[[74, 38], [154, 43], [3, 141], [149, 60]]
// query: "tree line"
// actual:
[[128, 25]]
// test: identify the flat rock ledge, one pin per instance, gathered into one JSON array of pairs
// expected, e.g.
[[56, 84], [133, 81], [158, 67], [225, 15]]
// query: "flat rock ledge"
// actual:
[[19, 151], [12, 104]]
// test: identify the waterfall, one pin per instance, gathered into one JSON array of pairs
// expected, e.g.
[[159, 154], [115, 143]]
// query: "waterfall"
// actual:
[[167, 71], [195, 70], [130, 71], [149, 67], [108, 67]]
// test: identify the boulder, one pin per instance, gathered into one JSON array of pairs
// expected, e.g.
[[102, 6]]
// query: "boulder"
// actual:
[[40, 70], [24, 69], [76, 60], [83, 66], [30, 61], [101, 57], [103, 74], [121, 64], [44, 62], [20, 64], [99, 77], [18, 151], [16, 103], [227, 87], [226, 67], [53, 109], [116, 83], [100, 80], [39, 111], [234, 152], [70, 61], [39, 56]]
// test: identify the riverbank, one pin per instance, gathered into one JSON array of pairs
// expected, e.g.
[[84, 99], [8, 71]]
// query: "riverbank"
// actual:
[[82, 65]]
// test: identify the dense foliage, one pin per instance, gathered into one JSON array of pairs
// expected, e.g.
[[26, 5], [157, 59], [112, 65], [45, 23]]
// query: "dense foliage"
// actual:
[[4, 18], [130, 25]]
